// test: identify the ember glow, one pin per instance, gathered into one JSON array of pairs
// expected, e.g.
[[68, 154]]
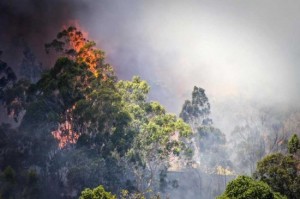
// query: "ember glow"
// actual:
[[65, 135]]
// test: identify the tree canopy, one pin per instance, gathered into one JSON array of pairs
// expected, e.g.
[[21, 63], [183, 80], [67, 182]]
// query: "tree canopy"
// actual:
[[245, 187], [96, 193], [293, 144], [81, 127], [281, 173]]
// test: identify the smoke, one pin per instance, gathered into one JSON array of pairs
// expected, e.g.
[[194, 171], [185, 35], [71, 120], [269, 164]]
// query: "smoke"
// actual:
[[244, 54], [239, 52], [32, 23], [245, 50]]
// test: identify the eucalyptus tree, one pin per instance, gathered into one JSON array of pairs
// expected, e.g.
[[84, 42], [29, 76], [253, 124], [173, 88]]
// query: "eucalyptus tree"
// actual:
[[157, 134]]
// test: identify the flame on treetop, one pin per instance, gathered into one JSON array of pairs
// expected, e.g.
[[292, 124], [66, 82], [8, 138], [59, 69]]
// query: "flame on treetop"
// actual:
[[72, 42], [85, 52]]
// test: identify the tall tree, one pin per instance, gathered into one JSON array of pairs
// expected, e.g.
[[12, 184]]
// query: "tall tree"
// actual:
[[157, 134], [196, 112], [74, 100], [208, 141]]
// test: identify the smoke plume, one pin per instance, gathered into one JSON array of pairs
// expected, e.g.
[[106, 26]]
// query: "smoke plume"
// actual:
[[32, 23]]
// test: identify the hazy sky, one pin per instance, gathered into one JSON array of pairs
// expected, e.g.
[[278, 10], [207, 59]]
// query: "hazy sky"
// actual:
[[245, 50], [241, 49]]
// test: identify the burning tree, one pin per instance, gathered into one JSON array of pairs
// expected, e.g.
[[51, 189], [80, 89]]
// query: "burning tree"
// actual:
[[89, 75], [81, 127]]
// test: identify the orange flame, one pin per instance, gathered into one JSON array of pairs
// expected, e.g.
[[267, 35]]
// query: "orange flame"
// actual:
[[85, 51], [65, 135]]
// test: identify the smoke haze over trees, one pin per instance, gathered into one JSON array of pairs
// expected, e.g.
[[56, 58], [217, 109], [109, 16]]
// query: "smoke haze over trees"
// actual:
[[64, 105], [206, 40]]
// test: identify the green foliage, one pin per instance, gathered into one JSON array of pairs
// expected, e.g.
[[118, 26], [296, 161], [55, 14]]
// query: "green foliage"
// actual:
[[245, 187], [134, 91], [280, 173], [119, 132], [155, 131], [96, 193], [80, 89], [196, 112], [293, 144]]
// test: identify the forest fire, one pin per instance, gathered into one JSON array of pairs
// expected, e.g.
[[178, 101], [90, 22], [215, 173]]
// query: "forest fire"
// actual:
[[73, 42], [84, 48], [201, 101], [84, 52], [65, 135]]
